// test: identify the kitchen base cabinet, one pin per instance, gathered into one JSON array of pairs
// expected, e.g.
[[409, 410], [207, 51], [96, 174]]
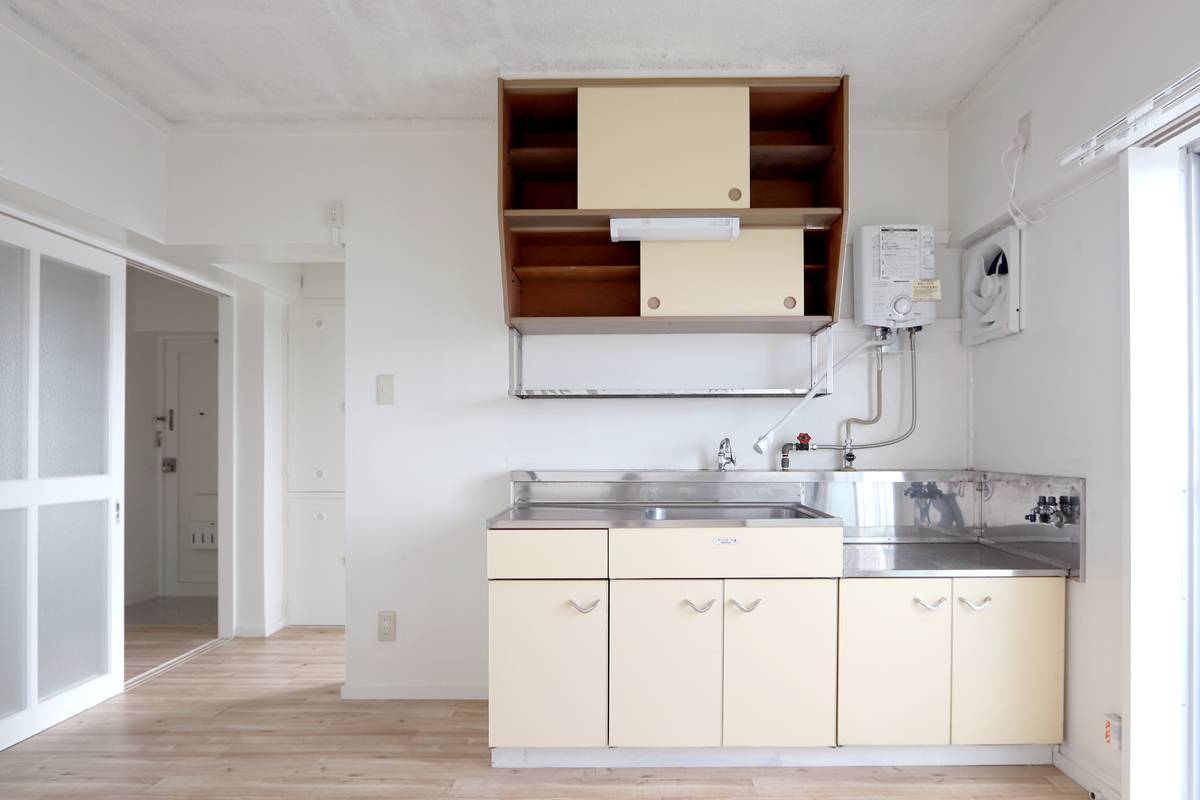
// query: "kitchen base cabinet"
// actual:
[[548, 663], [780, 663], [894, 661], [1009, 651], [665, 673]]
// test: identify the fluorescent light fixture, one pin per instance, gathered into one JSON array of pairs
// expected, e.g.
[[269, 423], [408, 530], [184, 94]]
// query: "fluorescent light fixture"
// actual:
[[675, 229]]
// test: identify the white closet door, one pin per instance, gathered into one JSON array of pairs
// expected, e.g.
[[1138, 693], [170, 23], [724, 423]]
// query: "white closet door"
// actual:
[[316, 391], [62, 366]]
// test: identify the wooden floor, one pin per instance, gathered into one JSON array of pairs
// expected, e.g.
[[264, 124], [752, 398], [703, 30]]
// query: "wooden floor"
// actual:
[[148, 646], [260, 718]]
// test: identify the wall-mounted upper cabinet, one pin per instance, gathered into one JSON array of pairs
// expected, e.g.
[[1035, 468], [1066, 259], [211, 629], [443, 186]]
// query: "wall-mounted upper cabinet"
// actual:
[[662, 147], [573, 154]]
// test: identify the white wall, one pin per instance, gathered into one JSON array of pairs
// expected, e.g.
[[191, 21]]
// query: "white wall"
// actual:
[[423, 302], [155, 308], [1049, 400], [61, 137], [260, 464]]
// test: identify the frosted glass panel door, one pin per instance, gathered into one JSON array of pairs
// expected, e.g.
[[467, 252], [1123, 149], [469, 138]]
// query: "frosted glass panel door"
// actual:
[[62, 365]]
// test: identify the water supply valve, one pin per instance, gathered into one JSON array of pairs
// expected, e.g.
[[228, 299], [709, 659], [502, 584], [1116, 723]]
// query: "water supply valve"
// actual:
[[804, 441]]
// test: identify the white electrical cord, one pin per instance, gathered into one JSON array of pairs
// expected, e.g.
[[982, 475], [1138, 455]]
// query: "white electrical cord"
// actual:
[[1018, 214], [764, 441]]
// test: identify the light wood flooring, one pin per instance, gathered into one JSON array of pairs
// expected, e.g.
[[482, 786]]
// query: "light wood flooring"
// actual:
[[148, 646], [258, 718]]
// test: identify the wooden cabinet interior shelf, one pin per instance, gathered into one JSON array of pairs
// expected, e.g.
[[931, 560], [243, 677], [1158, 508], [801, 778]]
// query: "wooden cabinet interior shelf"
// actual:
[[563, 275]]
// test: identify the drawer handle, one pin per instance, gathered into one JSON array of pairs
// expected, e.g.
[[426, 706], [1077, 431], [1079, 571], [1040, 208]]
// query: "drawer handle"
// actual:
[[928, 607], [748, 608], [700, 609], [585, 609], [987, 601]]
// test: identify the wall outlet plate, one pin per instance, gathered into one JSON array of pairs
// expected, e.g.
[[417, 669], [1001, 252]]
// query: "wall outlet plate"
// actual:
[[387, 626]]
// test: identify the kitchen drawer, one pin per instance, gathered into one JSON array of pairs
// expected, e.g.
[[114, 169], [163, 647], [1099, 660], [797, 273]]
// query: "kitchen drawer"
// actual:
[[568, 553], [800, 552], [760, 273]]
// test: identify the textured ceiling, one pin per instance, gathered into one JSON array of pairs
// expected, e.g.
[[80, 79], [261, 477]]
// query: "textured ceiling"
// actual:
[[262, 61]]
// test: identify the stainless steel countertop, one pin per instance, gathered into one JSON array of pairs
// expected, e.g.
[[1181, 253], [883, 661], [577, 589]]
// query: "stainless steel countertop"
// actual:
[[938, 560], [883, 556], [634, 515]]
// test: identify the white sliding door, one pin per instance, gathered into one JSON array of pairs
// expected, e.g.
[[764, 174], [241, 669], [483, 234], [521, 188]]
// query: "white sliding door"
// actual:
[[62, 365]]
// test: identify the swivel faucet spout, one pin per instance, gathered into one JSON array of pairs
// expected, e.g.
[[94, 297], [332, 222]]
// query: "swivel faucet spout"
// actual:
[[725, 457]]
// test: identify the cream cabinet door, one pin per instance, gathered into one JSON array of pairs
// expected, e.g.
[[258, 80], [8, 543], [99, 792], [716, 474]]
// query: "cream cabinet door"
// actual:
[[654, 147], [780, 663], [1009, 651], [547, 663], [894, 661], [665, 680], [759, 274]]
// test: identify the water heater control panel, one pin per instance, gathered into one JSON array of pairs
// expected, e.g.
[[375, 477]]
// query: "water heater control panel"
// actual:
[[895, 280]]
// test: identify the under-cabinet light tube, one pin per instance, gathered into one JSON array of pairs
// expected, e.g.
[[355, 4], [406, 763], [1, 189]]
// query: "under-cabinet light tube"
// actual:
[[674, 229]]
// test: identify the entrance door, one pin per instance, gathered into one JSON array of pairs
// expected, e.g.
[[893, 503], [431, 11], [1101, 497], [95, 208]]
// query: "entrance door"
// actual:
[[62, 367], [190, 479]]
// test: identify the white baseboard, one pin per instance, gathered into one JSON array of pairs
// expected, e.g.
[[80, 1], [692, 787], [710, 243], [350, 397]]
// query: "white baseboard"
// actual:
[[642, 757], [141, 598], [391, 692], [1085, 777]]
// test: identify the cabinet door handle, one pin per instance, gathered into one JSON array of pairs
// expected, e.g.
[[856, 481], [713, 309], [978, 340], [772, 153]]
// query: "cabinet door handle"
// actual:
[[700, 609], [585, 609], [987, 601], [930, 607], [748, 608]]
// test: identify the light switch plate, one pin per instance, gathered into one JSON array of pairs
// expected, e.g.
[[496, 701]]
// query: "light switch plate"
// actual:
[[387, 626], [385, 390]]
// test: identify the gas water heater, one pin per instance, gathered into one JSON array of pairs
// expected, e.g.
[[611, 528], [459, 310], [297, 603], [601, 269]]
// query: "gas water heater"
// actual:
[[895, 280]]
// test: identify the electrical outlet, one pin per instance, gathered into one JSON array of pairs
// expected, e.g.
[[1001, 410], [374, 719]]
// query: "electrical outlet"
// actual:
[[385, 390], [1025, 130], [334, 215], [387, 626]]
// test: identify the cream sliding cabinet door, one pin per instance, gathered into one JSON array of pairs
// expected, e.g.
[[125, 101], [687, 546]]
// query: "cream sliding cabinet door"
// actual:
[[1009, 651], [894, 661], [780, 663], [548, 663], [759, 274], [665, 675], [656, 147], [62, 375]]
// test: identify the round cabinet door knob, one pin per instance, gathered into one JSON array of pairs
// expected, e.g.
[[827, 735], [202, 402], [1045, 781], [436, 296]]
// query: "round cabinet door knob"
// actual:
[[902, 305], [789, 302], [654, 302], [735, 194], [320, 516], [320, 323], [320, 473]]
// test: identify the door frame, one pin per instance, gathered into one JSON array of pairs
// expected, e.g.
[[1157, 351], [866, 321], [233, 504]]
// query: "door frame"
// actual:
[[169, 549], [227, 498]]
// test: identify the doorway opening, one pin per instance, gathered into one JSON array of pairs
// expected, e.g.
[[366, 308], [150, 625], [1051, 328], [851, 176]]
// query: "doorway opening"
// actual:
[[172, 536]]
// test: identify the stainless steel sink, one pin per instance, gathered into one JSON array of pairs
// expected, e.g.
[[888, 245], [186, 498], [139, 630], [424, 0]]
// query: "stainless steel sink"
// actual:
[[729, 511]]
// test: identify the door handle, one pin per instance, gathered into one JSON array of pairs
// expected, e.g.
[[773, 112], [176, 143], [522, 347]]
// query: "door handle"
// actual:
[[700, 609], [987, 601], [930, 607], [748, 608], [585, 609]]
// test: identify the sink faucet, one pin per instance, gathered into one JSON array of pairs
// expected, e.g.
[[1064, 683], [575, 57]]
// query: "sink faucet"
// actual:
[[725, 457]]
